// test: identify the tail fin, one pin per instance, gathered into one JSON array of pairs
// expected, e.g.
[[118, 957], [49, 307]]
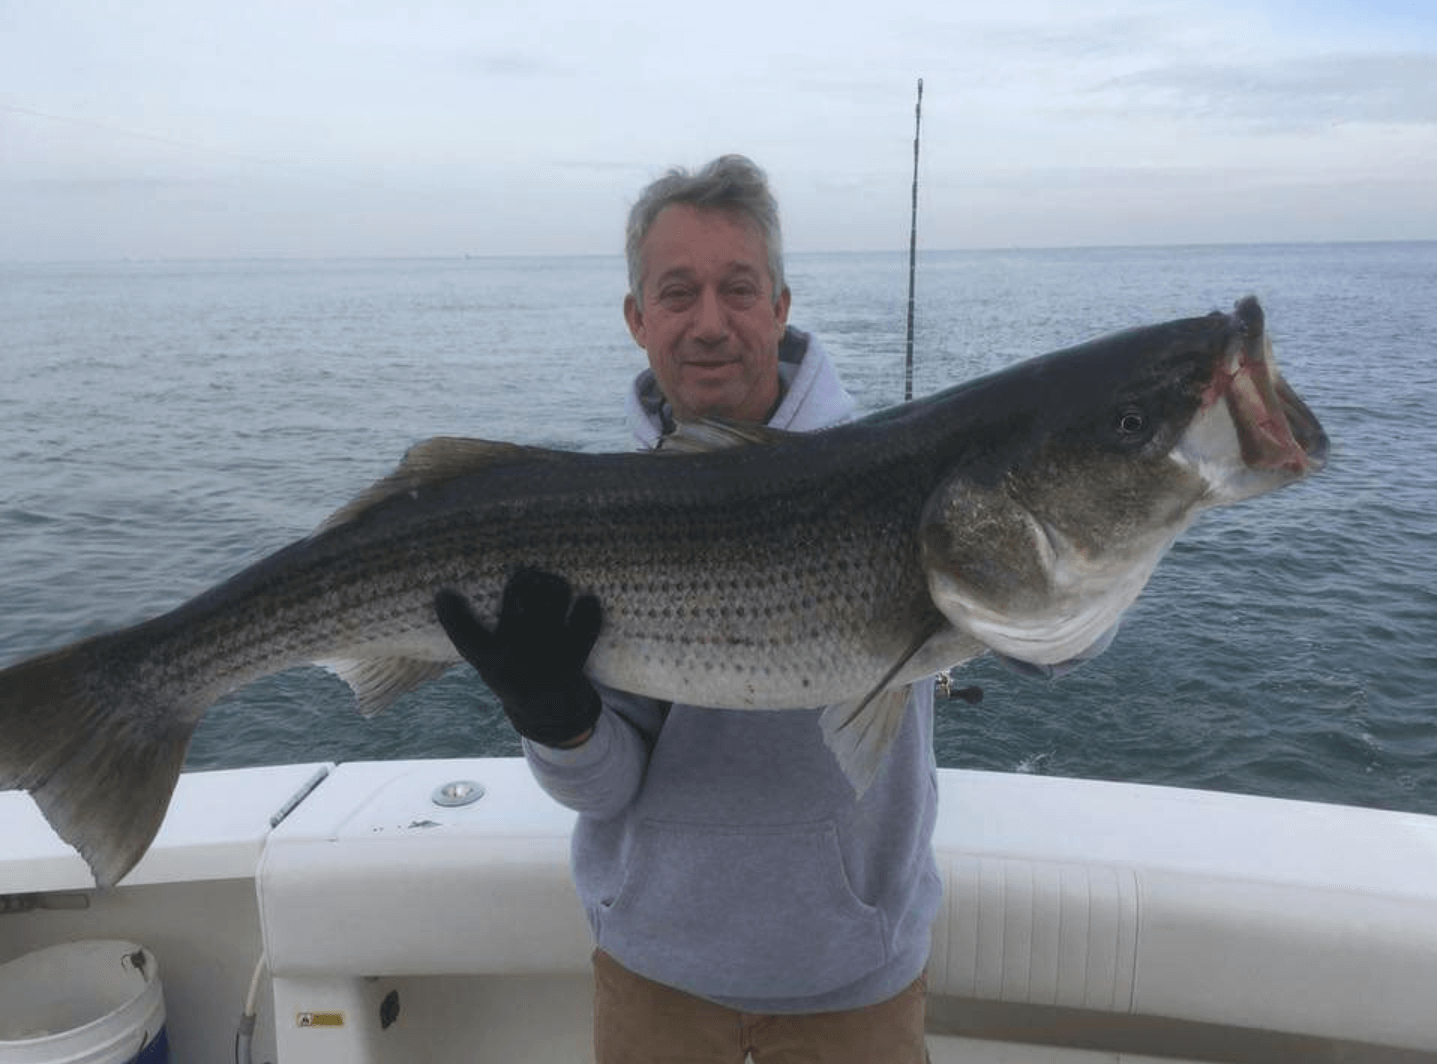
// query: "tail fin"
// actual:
[[99, 754]]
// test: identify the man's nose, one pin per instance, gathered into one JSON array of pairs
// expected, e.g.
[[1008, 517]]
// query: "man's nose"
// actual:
[[711, 325]]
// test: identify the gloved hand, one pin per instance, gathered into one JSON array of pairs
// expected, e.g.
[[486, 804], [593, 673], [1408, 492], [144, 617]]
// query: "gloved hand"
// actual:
[[533, 660]]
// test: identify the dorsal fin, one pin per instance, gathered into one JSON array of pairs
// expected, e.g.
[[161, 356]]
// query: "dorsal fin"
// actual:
[[430, 462], [717, 434]]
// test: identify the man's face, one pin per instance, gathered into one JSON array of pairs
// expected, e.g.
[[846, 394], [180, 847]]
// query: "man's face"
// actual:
[[709, 321]]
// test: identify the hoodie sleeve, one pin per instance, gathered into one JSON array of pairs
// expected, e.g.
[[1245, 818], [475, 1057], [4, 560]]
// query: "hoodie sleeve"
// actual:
[[601, 777]]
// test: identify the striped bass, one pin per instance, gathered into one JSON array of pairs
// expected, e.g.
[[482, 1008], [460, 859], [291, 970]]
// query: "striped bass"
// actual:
[[1021, 512]]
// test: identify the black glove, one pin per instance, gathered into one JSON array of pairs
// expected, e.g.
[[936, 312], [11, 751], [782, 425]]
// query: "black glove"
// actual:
[[534, 658]]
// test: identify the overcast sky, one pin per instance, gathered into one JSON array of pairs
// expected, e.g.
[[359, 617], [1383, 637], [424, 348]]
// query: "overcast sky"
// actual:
[[195, 128]]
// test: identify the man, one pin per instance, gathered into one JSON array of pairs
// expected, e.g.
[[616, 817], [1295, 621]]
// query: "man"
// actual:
[[743, 898]]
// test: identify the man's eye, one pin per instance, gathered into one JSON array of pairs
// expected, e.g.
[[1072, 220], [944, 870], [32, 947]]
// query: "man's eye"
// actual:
[[742, 293], [675, 296]]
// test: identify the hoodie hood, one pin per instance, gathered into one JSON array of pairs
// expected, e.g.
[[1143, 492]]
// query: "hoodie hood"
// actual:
[[812, 395]]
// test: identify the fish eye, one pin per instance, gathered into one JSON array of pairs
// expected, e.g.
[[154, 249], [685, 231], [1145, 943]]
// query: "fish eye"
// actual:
[[1132, 423]]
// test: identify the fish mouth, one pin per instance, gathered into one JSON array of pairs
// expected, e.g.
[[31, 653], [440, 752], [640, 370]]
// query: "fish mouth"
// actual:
[[1275, 428], [1304, 427]]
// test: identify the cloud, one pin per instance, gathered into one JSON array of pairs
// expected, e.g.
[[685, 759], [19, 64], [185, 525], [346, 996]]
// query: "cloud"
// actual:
[[604, 166], [493, 127], [1114, 35], [90, 186], [1312, 92], [511, 64]]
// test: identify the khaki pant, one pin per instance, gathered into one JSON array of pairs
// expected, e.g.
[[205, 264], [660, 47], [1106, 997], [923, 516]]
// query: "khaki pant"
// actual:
[[638, 1021]]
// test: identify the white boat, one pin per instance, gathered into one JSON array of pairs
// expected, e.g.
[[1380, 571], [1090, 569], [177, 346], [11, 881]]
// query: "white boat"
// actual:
[[1084, 922]]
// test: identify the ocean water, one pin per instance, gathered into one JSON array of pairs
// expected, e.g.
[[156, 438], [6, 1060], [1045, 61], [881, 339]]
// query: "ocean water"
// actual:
[[164, 424]]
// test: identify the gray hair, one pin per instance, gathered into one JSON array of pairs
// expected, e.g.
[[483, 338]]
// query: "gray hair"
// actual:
[[731, 183]]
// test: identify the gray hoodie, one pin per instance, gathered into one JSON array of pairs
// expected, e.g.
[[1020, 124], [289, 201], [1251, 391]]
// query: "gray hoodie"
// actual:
[[722, 852]]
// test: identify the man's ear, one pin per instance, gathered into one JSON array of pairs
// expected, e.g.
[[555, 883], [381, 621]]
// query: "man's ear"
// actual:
[[634, 317]]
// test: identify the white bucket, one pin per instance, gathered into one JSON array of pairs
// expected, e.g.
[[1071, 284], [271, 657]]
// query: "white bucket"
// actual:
[[96, 1002]]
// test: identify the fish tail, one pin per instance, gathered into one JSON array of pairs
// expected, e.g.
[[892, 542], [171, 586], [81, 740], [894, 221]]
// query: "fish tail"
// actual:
[[98, 752]]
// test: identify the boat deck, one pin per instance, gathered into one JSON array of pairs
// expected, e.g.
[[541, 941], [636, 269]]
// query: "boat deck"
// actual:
[[1084, 922]]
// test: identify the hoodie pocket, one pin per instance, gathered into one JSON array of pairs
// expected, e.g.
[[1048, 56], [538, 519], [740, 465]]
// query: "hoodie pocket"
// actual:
[[742, 913]]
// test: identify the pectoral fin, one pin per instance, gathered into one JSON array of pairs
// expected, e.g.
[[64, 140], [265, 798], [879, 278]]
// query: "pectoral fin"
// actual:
[[860, 731]]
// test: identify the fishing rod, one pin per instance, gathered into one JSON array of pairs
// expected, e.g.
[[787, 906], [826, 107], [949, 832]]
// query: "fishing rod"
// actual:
[[947, 683], [913, 246]]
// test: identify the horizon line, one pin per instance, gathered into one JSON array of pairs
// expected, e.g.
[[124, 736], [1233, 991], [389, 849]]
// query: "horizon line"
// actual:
[[471, 256]]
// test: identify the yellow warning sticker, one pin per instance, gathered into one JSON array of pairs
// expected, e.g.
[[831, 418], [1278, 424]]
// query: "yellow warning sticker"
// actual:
[[319, 1019]]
